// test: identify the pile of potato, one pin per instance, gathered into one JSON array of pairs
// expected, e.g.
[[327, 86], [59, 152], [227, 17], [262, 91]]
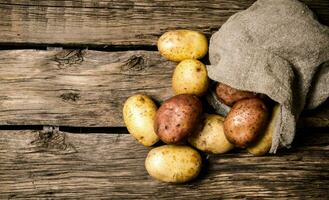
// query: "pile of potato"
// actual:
[[180, 122]]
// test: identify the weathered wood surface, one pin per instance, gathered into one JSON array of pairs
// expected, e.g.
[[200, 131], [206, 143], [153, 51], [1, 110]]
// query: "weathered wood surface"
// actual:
[[85, 88], [108, 22], [77, 88], [90, 166]]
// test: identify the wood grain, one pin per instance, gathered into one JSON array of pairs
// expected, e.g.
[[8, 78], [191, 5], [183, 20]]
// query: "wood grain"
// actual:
[[57, 165], [85, 88], [77, 88], [115, 22]]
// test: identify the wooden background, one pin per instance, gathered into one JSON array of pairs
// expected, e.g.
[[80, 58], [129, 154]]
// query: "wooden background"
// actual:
[[67, 66]]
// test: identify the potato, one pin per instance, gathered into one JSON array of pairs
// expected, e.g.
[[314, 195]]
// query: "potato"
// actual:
[[211, 137], [263, 143], [247, 118], [190, 77], [172, 163], [229, 95], [139, 113], [179, 45], [177, 118]]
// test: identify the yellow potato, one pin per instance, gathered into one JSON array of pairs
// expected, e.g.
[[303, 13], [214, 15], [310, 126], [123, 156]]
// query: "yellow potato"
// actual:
[[173, 163], [211, 137], [190, 77], [179, 45], [263, 143], [139, 114]]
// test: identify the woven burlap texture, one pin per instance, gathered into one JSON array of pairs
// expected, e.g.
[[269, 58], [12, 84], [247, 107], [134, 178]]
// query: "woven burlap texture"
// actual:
[[278, 48]]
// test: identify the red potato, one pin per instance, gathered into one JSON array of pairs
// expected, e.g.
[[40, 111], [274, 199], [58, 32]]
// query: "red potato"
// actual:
[[247, 118], [177, 118], [229, 95]]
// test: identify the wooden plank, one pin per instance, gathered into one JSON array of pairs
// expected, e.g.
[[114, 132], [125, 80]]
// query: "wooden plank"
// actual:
[[115, 22], [77, 88], [61, 165], [85, 88]]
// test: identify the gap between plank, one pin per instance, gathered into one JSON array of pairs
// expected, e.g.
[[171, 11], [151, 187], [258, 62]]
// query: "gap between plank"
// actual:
[[69, 129], [44, 46]]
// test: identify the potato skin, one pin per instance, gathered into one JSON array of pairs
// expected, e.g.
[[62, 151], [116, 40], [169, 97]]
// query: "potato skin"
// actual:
[[177, 118], [229, 95], [263, 143], [190, 77], [179, 45], [173, 163], [139, 113], [247, 118], [211, 137]]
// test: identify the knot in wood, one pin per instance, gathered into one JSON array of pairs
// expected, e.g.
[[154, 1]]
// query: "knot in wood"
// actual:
[[70, 96], [134, 63], [67, 58], [53, 140]]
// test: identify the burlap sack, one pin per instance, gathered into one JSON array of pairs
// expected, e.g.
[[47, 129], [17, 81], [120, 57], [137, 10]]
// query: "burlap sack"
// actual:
[[278, 48]]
